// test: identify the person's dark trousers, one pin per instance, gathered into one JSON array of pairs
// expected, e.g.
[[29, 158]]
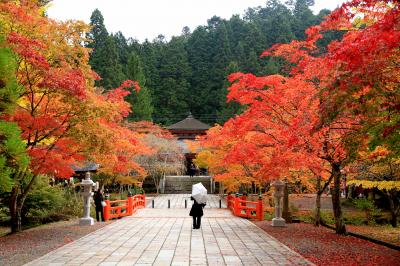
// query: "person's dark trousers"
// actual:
[[99, 210], [196, 222]]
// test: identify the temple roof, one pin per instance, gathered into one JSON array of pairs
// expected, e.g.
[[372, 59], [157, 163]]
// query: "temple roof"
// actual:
[[189, 123], [86, 167]]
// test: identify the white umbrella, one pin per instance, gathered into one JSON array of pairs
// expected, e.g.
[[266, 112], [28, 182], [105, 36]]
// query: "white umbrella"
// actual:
[[199, 193]]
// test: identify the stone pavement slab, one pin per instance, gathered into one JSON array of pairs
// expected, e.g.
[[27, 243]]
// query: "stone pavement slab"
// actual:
[[165, 237]]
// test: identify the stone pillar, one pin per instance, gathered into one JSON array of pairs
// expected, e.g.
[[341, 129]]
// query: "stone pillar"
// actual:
[[87, 193], [278, 194]]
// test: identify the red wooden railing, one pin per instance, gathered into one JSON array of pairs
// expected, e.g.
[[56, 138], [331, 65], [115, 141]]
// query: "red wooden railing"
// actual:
[[120, 208], [243, 208]]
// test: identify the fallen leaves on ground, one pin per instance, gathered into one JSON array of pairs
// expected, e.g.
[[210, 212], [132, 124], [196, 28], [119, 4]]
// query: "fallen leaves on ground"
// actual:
[[322, 246], [386, 233]]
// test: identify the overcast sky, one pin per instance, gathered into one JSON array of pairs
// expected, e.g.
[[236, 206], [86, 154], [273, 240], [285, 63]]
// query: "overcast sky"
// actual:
[[141, 19]]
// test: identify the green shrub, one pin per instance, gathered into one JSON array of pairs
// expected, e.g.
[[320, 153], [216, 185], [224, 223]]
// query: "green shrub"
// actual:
[[42, 200], [369, 208], [73, 202], [364, 204], [137, 190], [306, 218], [327, 217], [348, 202], [268, 216], [354, 218], [46, 203]]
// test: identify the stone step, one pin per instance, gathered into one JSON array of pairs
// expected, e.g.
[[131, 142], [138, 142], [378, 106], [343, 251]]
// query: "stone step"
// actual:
[[183, 184]]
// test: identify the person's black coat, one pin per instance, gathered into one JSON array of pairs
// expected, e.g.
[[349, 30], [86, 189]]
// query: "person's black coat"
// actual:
[[197, 209], [98, 198]]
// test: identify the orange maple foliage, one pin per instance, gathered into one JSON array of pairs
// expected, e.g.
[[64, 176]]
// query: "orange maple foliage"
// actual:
[[313, 118], [63, 117]]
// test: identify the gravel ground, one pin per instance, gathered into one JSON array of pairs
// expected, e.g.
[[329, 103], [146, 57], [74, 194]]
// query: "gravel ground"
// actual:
[[323, 247], [20, 248]]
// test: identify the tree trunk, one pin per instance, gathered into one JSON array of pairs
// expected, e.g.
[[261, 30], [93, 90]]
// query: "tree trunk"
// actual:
[[393, 220], [156, 183], [337, 209], [16, 225], [317, 217], [394, 210], [17, 200], [15, 211]]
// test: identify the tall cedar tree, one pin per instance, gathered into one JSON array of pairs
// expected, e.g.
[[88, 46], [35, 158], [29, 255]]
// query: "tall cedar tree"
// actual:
[[13, 157], [105, 54], [208, 51], [142, 107], [174, 73]]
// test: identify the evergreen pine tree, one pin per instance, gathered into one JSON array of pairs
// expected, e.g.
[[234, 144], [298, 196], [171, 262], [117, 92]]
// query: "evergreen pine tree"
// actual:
[[173, 90], [228, 110], [142, 107], [104, 58], [188, 72], [13, 157]]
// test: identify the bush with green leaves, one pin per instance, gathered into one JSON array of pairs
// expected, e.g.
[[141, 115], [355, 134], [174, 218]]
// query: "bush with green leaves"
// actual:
[[46, 203], [369, 208], [137, 190]]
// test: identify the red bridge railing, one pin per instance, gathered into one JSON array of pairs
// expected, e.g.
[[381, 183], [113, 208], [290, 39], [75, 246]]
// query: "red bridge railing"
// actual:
[[241, 207], [120, 208]]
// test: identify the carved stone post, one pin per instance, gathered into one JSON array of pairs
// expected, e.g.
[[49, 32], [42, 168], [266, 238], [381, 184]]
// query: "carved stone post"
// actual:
[[87, 193], [278, 194]]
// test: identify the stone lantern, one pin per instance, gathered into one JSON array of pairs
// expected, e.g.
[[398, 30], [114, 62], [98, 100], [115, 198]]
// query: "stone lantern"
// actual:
[[278, 194], [87, 193], [285, 211]]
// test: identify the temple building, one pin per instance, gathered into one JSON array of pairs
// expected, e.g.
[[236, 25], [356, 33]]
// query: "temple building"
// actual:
[[187, 130]]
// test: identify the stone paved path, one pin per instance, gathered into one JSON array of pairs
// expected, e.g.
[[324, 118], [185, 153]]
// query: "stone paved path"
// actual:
[[165, 237]]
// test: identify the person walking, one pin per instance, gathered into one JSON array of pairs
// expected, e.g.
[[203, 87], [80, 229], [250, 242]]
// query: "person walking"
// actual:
[[196, 212], [192, 169], [98, 202]]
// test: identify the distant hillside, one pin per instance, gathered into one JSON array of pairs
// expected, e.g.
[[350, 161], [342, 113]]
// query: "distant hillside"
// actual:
[[188, 73]]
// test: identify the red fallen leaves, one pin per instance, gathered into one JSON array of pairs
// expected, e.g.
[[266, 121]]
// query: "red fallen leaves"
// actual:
[[323, 247], [23, 247]]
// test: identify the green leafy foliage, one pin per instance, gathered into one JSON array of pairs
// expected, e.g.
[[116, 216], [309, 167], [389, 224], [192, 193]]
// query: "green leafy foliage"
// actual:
[[13, 155], [9, 90], [141, 102], [46, 203], [368, 207], [104, 58], [43, 199], [188, 72]]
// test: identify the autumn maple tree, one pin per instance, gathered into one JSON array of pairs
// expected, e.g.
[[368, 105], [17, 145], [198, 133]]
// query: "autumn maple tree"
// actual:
[[330, 103], [357, 79], [63, 118]]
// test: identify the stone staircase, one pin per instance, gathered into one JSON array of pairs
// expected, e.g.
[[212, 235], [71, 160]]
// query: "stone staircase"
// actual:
[[183, 184]]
